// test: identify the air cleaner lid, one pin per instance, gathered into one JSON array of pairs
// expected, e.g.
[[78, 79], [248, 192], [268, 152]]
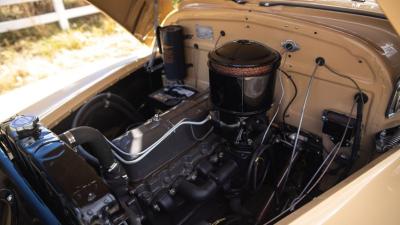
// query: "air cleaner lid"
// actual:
[[244, 53]]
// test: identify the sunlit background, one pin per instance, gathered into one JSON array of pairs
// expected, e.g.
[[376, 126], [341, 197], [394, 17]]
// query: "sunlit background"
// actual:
[[38, 59]]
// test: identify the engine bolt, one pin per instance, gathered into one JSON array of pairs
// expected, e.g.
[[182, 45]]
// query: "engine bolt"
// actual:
[[172, 191], [9, 198], [220, 155], [156, 208], [193, 176], [90, 212], [214, 159], [91, 196]]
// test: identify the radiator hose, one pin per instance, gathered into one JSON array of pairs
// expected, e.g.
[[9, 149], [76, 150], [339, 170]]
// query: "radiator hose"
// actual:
[[97, 145]]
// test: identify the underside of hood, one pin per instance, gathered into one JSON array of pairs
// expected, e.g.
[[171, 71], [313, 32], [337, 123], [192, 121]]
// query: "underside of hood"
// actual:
[[392, 9], [137, 16]]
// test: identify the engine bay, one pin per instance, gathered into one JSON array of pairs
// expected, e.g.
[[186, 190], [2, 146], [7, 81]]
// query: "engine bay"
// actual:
[[215, 157], [176, 153]]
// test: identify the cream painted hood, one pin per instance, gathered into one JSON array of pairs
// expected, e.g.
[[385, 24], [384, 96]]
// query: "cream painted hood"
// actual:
[[137, 16]]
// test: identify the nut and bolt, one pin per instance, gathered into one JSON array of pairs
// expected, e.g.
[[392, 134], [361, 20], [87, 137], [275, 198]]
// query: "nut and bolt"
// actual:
[[172, 191], [156, 208], [193, 176], [91, 196], [214, 159], [9, 198]]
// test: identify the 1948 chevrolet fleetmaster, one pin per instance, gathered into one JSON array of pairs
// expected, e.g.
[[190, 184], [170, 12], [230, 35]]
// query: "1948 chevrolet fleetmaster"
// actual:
[[246, 112]]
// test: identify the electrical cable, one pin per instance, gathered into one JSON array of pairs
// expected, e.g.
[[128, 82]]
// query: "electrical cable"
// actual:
[[217, 41], [293, 154], [304, 193], [308, 91], [303, 111], [346, 77], [277, 110], [261, 214], [149, 149], [334, 151], [292, 99], [262, 149], [358, 126], [337, 146]]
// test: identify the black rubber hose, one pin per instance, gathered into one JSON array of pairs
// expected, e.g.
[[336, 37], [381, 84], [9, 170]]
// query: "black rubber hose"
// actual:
[[257, 183], [105, 100], [93, 161], [95, 141], [195, 192], [97, 144], [258, 152]]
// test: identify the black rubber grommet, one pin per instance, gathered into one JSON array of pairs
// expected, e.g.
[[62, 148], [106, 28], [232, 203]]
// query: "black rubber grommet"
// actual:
[[364, 97], [320, 61]]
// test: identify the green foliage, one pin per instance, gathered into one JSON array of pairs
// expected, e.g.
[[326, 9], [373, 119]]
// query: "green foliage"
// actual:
[[175, 2], [46, 42]]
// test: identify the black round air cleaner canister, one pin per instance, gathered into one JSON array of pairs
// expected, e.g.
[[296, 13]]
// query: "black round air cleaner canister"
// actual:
[[242, 77], [170, 41]]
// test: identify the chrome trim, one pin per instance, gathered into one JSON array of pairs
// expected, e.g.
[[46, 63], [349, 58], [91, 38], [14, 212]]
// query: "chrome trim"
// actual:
[[394, 101]]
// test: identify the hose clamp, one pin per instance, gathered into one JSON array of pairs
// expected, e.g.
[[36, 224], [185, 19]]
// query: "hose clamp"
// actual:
[[70, 137]]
